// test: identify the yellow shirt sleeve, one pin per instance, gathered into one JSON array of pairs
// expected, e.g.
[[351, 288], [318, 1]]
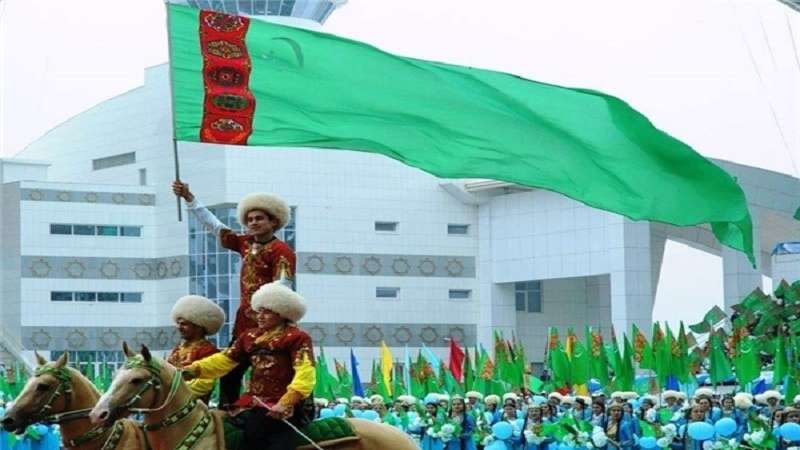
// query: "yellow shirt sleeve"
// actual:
[[213, 366], [305, 377], [200, 387]]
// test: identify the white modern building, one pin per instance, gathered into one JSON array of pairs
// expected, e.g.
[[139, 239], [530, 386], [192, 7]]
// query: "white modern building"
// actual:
[[93, 253]]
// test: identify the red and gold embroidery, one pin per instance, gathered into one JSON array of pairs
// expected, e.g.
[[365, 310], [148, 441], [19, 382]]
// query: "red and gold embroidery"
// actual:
[[229, 104]]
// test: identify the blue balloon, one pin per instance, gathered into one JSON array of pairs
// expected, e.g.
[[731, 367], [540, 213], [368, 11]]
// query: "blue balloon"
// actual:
[[725, 427], [340, 409], [369, 415], [357, 413], [324, 413], [564, 446], [496, 445], [647, 442], [790, 431], [502, 430], [700, 431]]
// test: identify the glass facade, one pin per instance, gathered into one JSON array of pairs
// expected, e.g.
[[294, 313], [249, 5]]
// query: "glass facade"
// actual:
[[80, 359], [528, 296], [214, 271]]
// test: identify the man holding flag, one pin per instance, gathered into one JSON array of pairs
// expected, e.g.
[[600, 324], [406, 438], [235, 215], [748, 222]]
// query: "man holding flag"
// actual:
[[265, 258]]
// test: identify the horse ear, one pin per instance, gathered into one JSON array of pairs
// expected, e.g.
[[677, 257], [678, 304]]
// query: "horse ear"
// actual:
[[146, 353], [127, 351], [39, 359], [62, 361]]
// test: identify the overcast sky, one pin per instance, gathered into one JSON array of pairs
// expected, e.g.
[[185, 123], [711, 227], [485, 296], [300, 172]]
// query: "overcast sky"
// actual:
[[724, 76]]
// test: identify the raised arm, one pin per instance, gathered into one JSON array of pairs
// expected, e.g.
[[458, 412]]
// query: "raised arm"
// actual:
[[209, 221]]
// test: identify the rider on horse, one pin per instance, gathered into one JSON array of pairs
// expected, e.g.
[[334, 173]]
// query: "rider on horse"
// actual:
[[282, 359], [264, 259], [195, 318]]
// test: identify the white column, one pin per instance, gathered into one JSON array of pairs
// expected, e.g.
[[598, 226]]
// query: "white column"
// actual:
[[739, 276], [496, 310], [632, 290]]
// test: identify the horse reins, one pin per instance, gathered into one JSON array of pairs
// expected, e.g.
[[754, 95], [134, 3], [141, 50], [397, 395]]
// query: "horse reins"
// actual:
[[65, 387], [196, 432]]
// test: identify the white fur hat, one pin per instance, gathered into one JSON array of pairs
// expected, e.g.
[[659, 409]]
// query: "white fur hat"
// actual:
[[474, 394], [703, 392], [343, 400], [443, 397], [772, 394], [567, 399], [618, 394], [269, 203], [281, 300], [377, 398], [357, 399], [630, 395], [796, 399], [670, 394], [321, 402], [199, 311], [743, 400], [491, 399], [556, 395], [509, 395], [408, 400]]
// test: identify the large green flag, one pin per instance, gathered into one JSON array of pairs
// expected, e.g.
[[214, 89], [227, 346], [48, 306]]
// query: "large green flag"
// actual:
[[469, 372], [599, 359], [681, 354], [581, 363], [642, 351], [250, 82], [719, 367], [780, 362], [344, 380], [747, 360]]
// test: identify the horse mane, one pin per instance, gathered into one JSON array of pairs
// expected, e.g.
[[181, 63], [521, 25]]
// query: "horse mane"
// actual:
[[77, 375]]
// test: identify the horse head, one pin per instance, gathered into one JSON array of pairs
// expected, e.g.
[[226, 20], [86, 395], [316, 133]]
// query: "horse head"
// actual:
[[143, 384], [51, 395]]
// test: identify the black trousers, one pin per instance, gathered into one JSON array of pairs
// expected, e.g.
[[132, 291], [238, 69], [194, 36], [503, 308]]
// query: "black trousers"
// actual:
[[230, 386], [262, 432]]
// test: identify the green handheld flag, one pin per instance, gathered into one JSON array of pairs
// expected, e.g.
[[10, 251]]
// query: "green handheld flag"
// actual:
[[248, 82]]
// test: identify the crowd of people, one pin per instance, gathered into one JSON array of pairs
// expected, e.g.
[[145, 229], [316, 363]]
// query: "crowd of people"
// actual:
[[621, 420]]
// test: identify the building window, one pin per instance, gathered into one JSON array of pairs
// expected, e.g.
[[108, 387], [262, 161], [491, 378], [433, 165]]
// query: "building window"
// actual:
[[114, 161], [142, 177], [387, 292], [457, 229], [528, 296], [386, 227], [57, 228], [95, 230], [460, 294], [83, 230], [130, 231], [61, 296], [106, 297], [214, 271], [106, 230]]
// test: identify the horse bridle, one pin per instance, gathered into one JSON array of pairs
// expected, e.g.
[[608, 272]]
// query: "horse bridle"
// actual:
[[65, 387], [152, 366]]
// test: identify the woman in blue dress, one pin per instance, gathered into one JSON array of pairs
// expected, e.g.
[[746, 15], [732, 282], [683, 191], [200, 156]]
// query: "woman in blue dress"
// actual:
[[683, 441], [618, 430], [430, 425], [459, 416], [581, 410], [790, 415], [532, 438], [728, 409], [598, 418]]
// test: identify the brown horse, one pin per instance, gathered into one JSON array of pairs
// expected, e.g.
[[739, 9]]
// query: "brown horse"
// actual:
[[60, 395], [174, 419]]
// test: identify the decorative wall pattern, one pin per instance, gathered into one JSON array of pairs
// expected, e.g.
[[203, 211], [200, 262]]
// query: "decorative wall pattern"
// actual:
[[114, 198], [97, 338], [386, 265], [327, 334], [114, 268]]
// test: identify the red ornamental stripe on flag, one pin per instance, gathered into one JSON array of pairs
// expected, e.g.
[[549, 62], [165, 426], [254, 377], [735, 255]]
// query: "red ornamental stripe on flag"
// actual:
[[229, 104]]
